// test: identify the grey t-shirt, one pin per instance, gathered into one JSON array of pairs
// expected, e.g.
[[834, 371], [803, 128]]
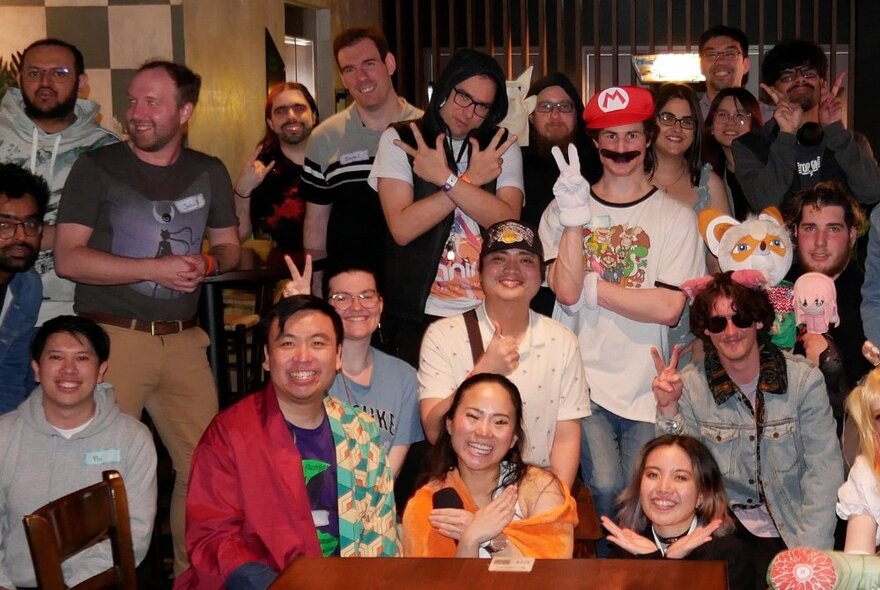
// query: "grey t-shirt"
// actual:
[[138, 210]]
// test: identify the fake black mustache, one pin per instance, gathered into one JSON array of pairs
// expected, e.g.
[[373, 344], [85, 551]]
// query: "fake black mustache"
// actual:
[[620, 157]]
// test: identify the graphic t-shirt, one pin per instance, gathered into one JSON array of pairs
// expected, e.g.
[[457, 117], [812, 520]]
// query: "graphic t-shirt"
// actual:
[[809, 162], [277, 207], [319, 469]]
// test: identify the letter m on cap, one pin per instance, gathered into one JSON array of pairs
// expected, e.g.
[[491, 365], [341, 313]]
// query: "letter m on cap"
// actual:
[[613, 99]]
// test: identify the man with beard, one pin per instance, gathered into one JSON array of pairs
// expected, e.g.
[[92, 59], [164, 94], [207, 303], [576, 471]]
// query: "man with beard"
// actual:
[[44, 128], [555, 121], [724, 61], [267, 189], [805, 142], [130, 232], [638, 245], [23, 199]]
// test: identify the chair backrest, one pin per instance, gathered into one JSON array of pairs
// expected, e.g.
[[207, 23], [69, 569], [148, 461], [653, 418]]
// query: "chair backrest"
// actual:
[[77, 521]]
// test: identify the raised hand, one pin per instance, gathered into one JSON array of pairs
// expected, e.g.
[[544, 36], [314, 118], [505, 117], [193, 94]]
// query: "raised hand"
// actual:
[[501, 356], [485, 165], [699, 536], [667, 384], [571, 190], [252, 174], [830, 105], [428, 163], [788, 115], [299, 284], [627, 539], [871, 352]]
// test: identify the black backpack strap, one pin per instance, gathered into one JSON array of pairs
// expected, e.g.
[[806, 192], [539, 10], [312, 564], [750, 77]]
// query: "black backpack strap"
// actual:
[[473, 332]]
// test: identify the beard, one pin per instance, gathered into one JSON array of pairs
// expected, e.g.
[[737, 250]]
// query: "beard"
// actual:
[[806, 101], [544, 144], [60, 111], [10, 264]]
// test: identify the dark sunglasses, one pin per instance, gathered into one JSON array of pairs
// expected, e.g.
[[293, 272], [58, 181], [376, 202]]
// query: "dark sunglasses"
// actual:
[[718, 323]]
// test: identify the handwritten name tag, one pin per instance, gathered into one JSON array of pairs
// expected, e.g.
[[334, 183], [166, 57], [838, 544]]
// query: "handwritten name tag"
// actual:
[[511, 564], [189, 204], [357, 156], [103, 457]]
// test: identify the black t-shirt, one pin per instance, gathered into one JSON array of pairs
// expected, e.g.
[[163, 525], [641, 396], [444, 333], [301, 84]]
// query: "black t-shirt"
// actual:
[[277, 208]]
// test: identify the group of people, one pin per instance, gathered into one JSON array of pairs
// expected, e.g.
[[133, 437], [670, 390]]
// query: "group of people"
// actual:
[[536, 313]]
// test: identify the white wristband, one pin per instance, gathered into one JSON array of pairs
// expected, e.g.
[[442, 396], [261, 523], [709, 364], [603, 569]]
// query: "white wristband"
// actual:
[[450, 182]]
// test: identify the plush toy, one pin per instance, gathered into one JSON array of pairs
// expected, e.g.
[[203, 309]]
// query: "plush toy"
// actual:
[[519, 107], [815, 302], [759, 243]]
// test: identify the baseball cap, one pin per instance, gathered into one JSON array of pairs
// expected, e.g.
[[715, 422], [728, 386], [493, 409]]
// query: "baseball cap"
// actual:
[[619, 105], [506, 235]]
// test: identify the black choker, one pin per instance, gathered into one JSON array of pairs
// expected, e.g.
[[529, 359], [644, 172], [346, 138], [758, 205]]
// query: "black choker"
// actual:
[[670, 540]]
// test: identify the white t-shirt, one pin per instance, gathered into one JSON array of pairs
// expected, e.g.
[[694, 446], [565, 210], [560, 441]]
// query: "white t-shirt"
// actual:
[[859, 494], [636, 244], [456, 287], [550, 375]]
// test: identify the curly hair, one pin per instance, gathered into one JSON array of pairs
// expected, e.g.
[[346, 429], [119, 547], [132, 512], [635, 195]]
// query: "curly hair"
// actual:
[[707, 476], [792, 53], [443, 458], [749, 303], [829, 193]]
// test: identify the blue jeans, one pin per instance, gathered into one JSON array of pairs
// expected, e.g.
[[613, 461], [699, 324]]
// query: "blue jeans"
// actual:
[[609, 448]]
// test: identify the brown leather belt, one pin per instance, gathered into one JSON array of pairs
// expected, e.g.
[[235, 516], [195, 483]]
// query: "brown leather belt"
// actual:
[[153, 328]]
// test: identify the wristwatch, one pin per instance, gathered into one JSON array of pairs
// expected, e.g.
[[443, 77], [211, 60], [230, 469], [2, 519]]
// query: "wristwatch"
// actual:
[[497, 544]]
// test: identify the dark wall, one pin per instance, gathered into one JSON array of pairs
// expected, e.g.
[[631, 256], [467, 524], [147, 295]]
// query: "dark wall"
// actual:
[[866, 115]]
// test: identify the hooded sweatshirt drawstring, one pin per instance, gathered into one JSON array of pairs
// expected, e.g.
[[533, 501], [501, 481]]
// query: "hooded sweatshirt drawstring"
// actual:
[[35, 144]]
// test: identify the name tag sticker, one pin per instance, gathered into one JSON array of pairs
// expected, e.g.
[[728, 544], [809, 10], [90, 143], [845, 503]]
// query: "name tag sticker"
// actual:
[[357, 156], [321, 517], [511, 564], [189, 204], [103, 457]]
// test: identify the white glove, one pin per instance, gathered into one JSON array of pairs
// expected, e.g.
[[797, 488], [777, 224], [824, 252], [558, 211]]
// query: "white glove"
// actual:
[[571, 190]]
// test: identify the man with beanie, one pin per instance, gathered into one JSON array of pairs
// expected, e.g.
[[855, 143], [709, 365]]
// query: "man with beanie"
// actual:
[[617, 253], [442, 178], [554, 122], [538, 354]]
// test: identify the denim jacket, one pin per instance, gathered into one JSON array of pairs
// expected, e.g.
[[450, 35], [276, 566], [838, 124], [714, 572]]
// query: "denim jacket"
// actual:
[[801, 464], [871, 286], [23, 299]]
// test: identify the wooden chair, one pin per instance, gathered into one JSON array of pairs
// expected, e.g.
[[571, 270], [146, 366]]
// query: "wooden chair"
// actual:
[[77, 521], [587, 531]]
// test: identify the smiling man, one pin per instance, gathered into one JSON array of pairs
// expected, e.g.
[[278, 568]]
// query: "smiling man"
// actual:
[[539, 355], [724, 61], [61, 439], [23, 199], [764, 415], [343, 216], [44, 128], [289, 470], [130, 233]]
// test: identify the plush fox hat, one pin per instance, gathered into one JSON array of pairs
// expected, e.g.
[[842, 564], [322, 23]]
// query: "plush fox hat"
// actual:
[[758, 243]]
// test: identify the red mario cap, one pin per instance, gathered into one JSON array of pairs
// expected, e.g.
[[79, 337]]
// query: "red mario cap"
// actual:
[[618, 105]]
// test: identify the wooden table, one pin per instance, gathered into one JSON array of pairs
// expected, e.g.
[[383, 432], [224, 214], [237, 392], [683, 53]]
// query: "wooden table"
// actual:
[[463, 574], [251, 273]]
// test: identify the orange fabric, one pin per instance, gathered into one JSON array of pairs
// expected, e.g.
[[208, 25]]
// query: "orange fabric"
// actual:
[[549, 535]]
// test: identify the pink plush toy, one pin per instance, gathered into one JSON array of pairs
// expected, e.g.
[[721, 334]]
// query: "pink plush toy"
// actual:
[[815, 302]]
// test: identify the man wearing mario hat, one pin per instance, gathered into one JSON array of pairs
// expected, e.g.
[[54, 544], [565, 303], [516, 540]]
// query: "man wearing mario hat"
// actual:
[[616, 253]]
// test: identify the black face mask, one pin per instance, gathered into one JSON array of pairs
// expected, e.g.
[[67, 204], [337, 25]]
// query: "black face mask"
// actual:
[[620, 157], [810, 134]]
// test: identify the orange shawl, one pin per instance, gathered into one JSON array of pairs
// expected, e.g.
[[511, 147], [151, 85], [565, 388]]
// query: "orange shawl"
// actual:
[[549, 535]]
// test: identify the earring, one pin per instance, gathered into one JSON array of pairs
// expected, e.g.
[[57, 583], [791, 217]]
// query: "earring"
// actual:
[[442, 103]]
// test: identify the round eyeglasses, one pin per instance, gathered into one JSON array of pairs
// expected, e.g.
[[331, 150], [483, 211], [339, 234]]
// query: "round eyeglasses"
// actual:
[[738, 119], [367, 299]]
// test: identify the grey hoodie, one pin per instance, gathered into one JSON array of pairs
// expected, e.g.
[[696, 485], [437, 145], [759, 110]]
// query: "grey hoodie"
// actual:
[[38, 465], [50, 155]]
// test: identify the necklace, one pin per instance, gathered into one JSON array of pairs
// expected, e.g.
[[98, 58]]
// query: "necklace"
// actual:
[[663, 543], [677, 178]]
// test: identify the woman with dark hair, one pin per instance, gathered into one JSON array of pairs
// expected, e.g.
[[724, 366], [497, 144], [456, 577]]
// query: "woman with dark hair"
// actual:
[[733, 113], [679, 170], [441, 180], [481, 499], [675, 507], [267, 199]]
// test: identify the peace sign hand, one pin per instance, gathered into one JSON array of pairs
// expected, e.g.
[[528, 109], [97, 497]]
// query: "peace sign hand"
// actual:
[[788, 115], [572, 191], [299, 284], [485, 165], [830, 105], [428, 163], [667, 384]]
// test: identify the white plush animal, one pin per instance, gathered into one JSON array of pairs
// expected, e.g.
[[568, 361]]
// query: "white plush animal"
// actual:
[[519, 107]]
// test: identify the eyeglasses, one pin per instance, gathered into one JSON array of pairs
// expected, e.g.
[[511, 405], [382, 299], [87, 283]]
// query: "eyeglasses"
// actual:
[[718, 323], [739, 119], [464, 100], [58, 74], [790, 75], [549, 107], [669, 120], [9, 226], [726, 55], [368, 299]]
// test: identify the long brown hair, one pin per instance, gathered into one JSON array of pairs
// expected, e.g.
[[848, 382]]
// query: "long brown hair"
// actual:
[[269, 143]]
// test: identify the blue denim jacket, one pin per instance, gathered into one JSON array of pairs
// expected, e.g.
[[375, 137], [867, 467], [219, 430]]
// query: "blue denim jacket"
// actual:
[[801, 463], [16, 333], [871, 286]]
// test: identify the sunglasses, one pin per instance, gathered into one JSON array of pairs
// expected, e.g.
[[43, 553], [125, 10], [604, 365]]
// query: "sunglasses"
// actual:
[[718, 323]]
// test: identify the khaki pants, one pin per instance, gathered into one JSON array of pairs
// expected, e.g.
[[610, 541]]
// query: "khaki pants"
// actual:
[[170, 377]]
